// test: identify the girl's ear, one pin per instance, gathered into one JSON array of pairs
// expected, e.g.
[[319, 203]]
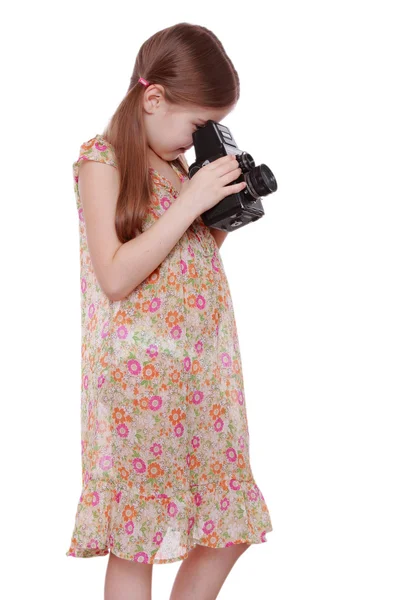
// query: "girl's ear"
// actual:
[[153, 97]]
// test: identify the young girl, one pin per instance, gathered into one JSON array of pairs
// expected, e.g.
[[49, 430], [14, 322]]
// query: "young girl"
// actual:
[[166, 474]]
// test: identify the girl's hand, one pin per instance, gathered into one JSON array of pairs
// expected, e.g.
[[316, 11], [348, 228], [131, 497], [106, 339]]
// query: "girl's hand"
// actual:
[[209, 185]]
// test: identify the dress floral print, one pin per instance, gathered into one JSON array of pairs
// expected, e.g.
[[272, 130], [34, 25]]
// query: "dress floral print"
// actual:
[[165, 441]]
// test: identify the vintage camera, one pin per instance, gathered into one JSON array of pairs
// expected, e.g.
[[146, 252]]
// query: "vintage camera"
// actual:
[[213, 140]]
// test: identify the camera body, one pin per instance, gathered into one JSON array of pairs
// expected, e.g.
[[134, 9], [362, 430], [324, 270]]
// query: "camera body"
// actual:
[[212, 141]]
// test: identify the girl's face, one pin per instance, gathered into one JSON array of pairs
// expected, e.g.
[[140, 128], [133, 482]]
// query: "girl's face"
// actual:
[[169, 128]]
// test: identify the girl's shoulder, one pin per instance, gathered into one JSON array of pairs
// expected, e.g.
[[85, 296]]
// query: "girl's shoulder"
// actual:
[[97, 149]]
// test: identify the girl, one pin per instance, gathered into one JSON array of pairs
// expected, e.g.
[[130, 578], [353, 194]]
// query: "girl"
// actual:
[[165, 443]]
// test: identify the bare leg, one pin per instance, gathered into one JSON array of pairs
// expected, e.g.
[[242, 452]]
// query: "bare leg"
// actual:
[[202, 573], [127, 579]]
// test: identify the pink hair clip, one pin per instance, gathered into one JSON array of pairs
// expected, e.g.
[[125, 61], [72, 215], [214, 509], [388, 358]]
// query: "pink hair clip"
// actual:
[[144, 81]]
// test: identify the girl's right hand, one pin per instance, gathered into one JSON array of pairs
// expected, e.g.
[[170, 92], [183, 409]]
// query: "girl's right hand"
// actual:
[[209, 185]]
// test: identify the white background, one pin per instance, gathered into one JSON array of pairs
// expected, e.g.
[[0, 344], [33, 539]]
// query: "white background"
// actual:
[[315, 284]]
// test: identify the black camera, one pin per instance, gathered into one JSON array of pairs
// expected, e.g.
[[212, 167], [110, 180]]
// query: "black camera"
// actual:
[[213, 140]]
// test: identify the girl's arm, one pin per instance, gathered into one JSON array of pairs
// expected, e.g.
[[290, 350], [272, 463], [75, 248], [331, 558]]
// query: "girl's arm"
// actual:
[[218, 235], [120, 268]]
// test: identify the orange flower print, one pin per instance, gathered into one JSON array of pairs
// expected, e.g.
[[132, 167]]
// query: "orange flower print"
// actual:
[[154, 470]]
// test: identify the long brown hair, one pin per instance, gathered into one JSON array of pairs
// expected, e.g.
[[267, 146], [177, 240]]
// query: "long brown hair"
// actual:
[[191, 64]]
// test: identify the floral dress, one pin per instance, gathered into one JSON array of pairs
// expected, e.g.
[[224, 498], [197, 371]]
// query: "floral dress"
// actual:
[[165, 441]]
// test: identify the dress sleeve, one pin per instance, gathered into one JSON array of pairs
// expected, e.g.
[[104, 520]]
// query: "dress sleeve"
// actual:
[[97, 149]]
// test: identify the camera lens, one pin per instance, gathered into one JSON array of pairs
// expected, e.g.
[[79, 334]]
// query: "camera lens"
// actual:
[[261, 181], [246, 161]]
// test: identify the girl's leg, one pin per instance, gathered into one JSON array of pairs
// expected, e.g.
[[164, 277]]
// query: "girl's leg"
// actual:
[[202, 573], [127, 580]]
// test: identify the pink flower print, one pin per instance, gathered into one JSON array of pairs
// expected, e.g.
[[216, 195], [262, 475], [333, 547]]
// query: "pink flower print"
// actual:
[[263, 537], [228, 544], [91, 311], [195, 441], [190, 524], [224, 503], [172, 509], [117, 497], [83, 285], [80, 215], [187, 363], [198, 347], [178, 430], [134, 367], [100, 381], [234, 484], [226, 360], [190, 250], [106, 462], [217, 329], [156, 449], [122, 332], [197, 397], [218, 424], [104, 331], [111, 540], [93, 544], [155, 403], [176, 332], [129, 527], [200, 301], [183, 267], [154, 304], [158, 538], [241, 442], [100, 147], [141, 557], [85, 382], [208, 526], [240, 398], [252, 495], [122, 430], [152, 350], [139, 465], [197, 499], [231, 454], [165, 202], [215, 262]]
